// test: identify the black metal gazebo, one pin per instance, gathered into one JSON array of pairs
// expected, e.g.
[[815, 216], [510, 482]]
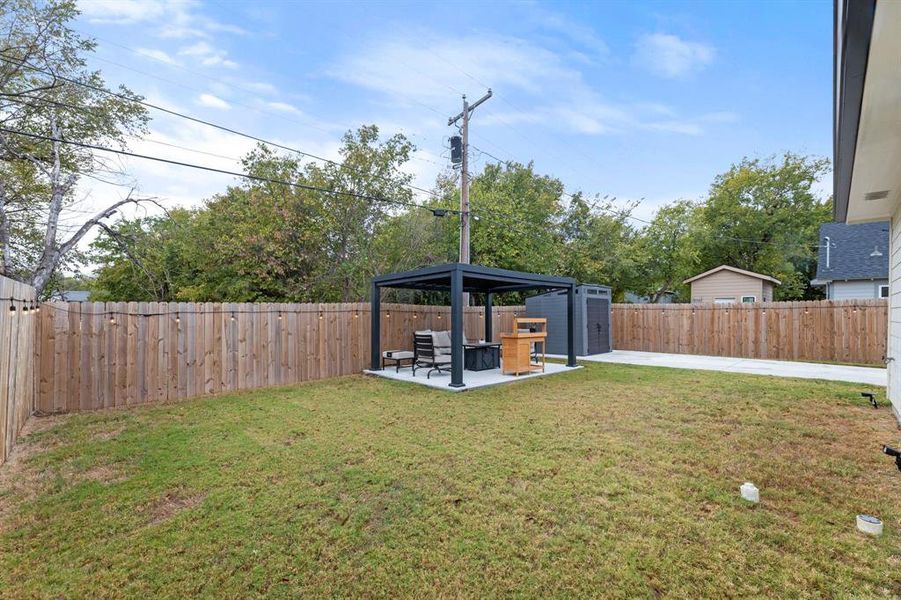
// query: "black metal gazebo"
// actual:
[[459, 278]]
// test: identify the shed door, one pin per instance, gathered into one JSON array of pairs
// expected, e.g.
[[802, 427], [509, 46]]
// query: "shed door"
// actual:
[[598, 325]]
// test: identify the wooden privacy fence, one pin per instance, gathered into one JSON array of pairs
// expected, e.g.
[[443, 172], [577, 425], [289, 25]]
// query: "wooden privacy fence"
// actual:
[[17, 336], [97, 355], [851, 331]]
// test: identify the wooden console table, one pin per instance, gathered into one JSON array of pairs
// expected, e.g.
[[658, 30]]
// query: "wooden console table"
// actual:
[[517, 347]]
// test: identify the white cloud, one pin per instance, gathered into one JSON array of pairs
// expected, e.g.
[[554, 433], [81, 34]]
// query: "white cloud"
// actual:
[[669, 56], [428, 67], [212, 101], [573, 31], [174, 18], [413, 68], [284, 107], [207, 55], [158, 55], [260, 87], [126, 12]]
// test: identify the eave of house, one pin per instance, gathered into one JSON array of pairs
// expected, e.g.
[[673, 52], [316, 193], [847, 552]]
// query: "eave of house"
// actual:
[[867, 179]]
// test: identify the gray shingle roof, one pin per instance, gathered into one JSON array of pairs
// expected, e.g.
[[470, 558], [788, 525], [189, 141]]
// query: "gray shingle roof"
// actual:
[[850, 251]]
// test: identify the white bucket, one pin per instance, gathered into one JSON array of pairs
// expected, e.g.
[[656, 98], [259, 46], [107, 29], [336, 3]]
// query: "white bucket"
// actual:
[[750, 492], [869, 524]]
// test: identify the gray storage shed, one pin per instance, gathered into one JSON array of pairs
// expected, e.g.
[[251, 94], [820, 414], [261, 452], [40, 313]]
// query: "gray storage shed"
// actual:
[[592, 315]]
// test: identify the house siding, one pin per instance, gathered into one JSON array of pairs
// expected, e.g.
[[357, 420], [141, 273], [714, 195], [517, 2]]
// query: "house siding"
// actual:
[[727, 284], [850, 290], [893, 392]]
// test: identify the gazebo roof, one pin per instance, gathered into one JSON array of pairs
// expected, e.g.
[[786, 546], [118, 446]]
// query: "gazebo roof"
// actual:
[[476, 279]]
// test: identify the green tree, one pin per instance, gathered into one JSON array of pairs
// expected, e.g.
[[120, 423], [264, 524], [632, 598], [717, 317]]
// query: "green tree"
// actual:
[[47, 93], [370, 168], [667, 250], [598, 244], [146, 259], [764, 216], [518, 213], [260, 240]]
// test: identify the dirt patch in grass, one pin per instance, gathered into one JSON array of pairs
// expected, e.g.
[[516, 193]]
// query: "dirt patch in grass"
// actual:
[[111, 434], [102, 474], [171, 504]]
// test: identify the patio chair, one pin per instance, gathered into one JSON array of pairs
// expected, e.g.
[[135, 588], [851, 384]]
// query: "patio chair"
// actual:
[[426, 355]]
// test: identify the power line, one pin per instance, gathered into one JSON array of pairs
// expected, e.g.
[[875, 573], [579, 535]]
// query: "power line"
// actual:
[[222, 171], [195, 120], [217, 126]]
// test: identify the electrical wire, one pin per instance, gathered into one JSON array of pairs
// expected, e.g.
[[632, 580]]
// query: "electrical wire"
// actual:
[[226, 171], [197, 120]]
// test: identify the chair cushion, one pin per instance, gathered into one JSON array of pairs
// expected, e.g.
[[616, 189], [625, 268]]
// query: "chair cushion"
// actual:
[[441, 339], [423, 332]]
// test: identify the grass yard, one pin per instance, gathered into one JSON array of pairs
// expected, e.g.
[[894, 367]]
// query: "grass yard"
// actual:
[[612, 480]]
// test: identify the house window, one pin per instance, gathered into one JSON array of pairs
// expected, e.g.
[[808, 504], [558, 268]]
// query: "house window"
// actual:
[[749, 298], [723, 300], [883, 291]]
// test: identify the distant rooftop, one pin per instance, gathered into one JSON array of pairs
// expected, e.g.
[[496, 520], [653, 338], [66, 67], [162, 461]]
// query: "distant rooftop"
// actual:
[[734, 270], [855, 251], [71, 295]]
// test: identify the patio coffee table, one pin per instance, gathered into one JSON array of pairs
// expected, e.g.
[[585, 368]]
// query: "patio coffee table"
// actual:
[[481, 357], [398, 356]]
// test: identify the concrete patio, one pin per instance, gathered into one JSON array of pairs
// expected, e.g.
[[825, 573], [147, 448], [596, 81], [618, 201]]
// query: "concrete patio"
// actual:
[[751, 366], [471, 379]]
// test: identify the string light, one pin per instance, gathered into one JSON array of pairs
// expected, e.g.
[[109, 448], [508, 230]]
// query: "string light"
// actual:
[[177, 318], [112, 319], [320, 314], [233, 317], [12, 307], [279, 315]]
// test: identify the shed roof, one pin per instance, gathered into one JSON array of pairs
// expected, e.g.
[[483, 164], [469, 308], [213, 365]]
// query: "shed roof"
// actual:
[[734, 270]]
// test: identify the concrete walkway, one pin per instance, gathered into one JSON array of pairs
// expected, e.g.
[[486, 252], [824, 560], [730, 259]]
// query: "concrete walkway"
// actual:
[[752, 366]]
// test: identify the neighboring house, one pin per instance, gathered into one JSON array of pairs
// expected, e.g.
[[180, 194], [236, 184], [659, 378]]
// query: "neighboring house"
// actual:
[[725, 284], [71, 295], [867, 143], [853, 260]]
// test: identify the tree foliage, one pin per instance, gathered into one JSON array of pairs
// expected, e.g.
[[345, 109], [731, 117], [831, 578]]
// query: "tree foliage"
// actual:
[[48, 94], [263, 241]]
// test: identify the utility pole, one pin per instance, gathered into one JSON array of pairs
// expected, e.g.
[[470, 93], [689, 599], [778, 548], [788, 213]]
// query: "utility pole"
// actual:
[[464, 175]]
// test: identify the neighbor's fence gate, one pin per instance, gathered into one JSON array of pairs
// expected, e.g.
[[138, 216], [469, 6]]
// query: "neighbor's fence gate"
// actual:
[[850, 331], [98, 355], [17, 337]]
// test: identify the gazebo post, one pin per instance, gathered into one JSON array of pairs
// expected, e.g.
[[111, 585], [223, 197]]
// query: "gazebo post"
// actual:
[[456, 328], [488, 326], [571, 326], [375, 331]]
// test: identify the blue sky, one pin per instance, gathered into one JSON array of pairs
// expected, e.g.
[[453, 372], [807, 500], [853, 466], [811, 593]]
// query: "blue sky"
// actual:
[[633, 99]]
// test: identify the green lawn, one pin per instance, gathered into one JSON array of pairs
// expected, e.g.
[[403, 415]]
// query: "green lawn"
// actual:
[[612, 480]]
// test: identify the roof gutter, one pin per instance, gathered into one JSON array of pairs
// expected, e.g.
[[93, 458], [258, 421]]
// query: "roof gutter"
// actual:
[[853, 29]]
